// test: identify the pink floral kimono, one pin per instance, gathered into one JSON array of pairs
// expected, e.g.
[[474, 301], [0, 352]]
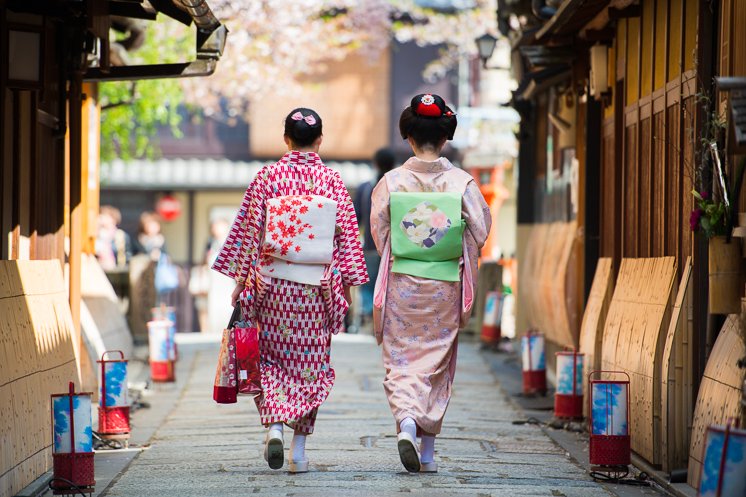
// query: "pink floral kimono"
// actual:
[[417, 319], [296, 320]]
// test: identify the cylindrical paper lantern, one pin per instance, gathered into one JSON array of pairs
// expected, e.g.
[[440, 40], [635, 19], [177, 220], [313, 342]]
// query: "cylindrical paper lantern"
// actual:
[[72, 450], [162, 354], [568, 400], [534, 363], [490, 325], [723, 463], [113, 406], [609, 420]]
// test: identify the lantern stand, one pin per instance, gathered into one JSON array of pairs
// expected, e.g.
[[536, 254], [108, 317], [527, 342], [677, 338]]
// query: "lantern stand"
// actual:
[[161, 353], [568, 399], [610, 444], [114, 420], [490, 333], [75, 469], [534, 366], [723, 465]]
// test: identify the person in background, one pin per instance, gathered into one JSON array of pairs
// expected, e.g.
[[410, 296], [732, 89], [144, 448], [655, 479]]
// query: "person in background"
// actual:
[[432, 218], [113, 245], [150, 240], [383, 160]]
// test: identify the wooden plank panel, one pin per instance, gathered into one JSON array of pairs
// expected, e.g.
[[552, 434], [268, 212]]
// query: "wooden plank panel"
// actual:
[[594, 318], [37, 358], [687, 201], [632, 78], [676, 378], [674, 193], [631, 225], [633, 342], [719, 392], [648, 32], [608, 229], [659, 190], [645, 189], [690, 33]]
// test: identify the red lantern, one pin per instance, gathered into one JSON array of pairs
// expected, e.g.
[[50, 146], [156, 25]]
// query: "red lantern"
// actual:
[[168, 207]]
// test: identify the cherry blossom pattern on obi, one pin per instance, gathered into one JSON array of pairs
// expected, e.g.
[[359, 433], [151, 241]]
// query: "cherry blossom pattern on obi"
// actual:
[[299, 232]]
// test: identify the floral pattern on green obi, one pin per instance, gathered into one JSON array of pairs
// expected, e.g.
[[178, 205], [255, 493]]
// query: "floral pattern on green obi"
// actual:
[[425, 224]]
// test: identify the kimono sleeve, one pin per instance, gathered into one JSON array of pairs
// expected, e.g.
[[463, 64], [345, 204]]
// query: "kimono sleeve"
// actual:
[[351, 262], [241, 247], [380, 216], [476, 213]]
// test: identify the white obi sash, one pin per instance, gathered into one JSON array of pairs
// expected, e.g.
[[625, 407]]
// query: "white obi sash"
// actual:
[[298, 240]]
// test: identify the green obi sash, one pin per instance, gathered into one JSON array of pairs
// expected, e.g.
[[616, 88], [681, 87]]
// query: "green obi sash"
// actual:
[[426, 234]]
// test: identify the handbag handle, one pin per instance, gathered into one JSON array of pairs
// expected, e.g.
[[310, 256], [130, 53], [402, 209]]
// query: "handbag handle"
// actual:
[[236, 316]]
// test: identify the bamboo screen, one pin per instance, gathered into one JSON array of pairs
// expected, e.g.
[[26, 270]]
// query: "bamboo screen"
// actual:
[[37, 358], [633, 342]]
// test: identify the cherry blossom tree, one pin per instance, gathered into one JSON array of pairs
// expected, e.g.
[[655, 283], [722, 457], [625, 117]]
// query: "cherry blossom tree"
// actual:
[[273, 44]]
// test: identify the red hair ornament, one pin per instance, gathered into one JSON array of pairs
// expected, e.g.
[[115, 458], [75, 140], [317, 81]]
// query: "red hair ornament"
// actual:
[[427, 107]]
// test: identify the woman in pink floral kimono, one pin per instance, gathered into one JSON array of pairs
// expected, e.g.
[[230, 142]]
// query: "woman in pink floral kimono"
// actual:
[[294, 252], [429, 221]]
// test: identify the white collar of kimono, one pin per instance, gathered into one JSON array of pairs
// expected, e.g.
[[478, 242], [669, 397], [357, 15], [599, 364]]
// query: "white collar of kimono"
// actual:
[[295, 156], [423, 166]]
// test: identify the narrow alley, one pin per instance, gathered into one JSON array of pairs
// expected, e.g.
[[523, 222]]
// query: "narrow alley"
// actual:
[[203, 449]]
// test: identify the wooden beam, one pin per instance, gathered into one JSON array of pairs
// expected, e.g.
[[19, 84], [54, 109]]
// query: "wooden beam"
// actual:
[[625, 13], [605, 35]]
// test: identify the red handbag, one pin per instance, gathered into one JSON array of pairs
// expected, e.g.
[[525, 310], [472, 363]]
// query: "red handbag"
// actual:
[[238, 362]]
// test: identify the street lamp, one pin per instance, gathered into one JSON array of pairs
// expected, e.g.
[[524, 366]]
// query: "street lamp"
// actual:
[[486, 45]]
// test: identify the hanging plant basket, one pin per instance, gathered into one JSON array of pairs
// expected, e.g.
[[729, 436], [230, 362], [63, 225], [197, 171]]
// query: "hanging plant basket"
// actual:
[[726, 277]]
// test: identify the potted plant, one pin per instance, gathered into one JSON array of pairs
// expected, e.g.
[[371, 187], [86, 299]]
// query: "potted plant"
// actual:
[[715, 215]]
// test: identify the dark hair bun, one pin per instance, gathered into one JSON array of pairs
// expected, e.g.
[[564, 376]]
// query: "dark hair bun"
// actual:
[[303, 126], [428, 120]]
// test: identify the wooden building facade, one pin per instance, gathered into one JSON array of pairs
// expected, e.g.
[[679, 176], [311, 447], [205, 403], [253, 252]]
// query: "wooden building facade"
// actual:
[[55, 51], [612, 101]]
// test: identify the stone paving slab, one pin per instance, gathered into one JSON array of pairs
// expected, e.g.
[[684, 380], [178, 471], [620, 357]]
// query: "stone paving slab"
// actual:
[[203, 449]]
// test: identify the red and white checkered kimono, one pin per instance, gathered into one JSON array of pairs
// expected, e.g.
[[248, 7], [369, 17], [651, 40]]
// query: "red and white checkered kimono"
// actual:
[[296, 321]]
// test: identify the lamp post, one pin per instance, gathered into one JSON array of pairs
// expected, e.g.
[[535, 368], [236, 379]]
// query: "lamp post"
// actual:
[[610, 443], [486, 46], [72, 449], [114, 409]]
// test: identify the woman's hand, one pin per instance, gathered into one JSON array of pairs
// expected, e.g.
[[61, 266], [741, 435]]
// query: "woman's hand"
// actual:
[[348, 295], [236, 293]]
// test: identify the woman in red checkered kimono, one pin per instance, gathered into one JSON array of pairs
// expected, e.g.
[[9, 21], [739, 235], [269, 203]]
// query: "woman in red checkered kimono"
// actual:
[[294, 252]]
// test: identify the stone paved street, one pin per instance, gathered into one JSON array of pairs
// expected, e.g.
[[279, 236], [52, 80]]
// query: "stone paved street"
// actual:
[[204, 449]]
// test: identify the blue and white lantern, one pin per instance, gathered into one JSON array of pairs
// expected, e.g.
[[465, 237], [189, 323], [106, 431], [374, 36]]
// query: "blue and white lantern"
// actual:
[[72, 442], [534, 363], [610, 443], [724, 463], [113, 385], [71, 421], [568, 400], [160, 340]]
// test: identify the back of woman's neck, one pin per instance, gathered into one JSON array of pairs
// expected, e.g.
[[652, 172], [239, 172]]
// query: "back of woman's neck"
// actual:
[[429, 156]]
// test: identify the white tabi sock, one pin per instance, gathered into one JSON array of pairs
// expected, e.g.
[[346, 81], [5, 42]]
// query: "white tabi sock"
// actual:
[[276, 426], [298, 447], [408, 425], [427, 449]]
